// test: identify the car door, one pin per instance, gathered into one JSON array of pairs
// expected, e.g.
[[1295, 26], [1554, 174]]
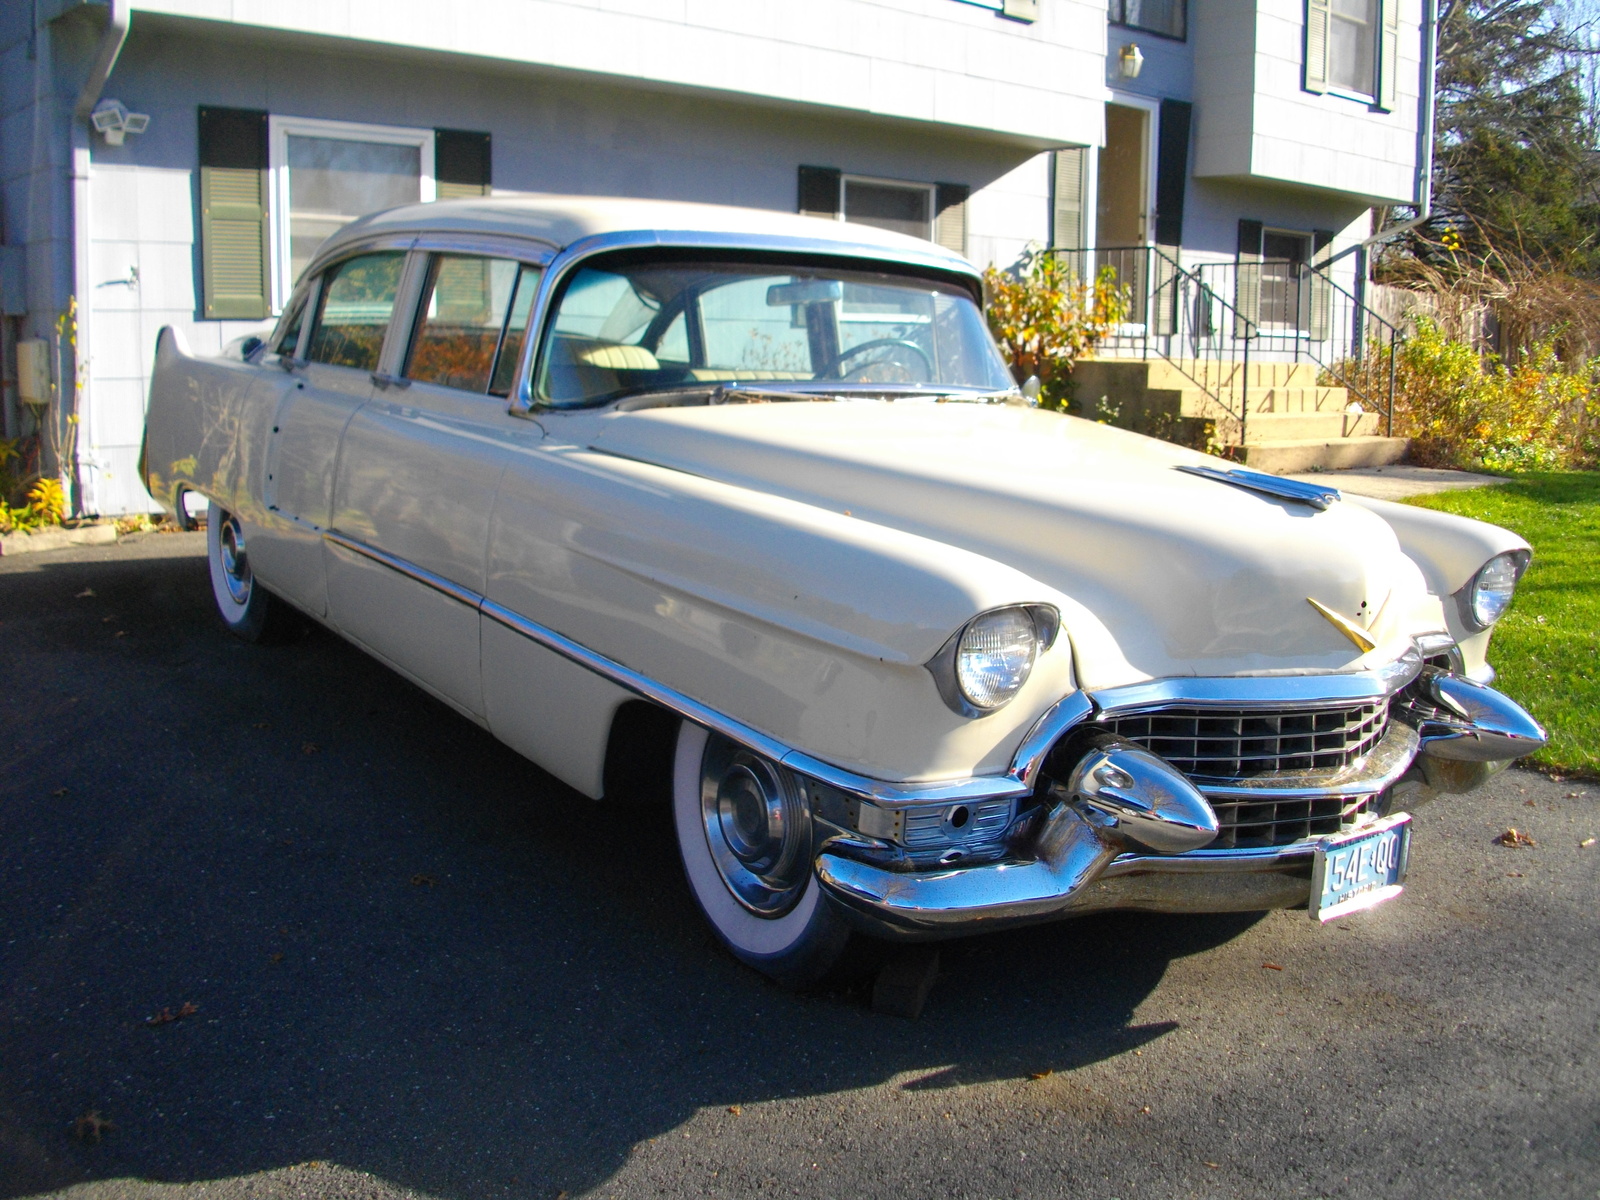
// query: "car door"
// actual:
[[418, 470], [351, 305]]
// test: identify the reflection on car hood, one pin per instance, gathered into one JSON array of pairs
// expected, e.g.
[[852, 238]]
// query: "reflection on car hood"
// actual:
[[1159, 572]]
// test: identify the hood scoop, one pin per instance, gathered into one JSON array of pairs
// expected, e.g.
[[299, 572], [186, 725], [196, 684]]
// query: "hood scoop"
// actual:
[[1316, 495]]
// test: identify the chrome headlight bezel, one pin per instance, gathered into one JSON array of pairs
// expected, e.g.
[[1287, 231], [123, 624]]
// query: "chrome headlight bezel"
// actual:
[[945, 665], [1477, 615]]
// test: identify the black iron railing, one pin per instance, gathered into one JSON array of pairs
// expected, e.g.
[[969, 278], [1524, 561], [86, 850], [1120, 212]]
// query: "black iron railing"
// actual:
[[1176, 315]]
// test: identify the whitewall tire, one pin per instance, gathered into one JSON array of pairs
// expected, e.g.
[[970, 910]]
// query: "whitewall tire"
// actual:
[[749, 867], [247, 609]]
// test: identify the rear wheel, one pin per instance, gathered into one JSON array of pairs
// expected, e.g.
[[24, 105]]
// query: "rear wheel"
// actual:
[[247, 609], [744, 829]]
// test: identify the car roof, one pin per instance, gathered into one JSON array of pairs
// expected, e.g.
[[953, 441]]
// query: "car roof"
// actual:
[[563, 221]]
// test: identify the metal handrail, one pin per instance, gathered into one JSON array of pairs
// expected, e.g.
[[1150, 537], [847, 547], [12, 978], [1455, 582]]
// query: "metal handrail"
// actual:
[[1188, 309]]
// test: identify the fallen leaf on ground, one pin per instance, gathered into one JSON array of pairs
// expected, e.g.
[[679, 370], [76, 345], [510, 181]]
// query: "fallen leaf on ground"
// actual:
[[1586, 843], [278, 957], [1514, 837], [308, 748], [1208, 1164], [84, 593], [122, 633], [1145, 1109], [1044, 1074], [1513, 874], [1529, 804], [421, 880], [1271, 967], [166, 1016], [262, 725], [735, 1109], [59, 792], [90, 1126]]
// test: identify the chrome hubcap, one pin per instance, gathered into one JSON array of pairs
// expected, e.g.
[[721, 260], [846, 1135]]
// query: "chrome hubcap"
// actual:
[[235, 562], [757, 826]]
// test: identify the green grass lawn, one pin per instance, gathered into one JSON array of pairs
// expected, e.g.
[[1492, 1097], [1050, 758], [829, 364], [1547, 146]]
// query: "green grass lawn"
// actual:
[[1547, 648]]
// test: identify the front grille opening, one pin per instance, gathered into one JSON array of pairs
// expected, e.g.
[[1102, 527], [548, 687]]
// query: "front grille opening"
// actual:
[[1248, 824], [1212, 744]]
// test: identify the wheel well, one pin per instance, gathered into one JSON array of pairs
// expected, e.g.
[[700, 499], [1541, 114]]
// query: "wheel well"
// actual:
[[638, 766]]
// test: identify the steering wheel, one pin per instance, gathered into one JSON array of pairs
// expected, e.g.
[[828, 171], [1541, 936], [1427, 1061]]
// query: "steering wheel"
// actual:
[[833, 370]]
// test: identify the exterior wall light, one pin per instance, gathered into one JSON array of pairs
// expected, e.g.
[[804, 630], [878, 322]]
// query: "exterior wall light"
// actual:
[[1130, 62], [113, 121]]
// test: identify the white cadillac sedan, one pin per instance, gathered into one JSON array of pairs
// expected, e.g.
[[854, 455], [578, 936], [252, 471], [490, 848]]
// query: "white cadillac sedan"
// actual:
[[748, 506]]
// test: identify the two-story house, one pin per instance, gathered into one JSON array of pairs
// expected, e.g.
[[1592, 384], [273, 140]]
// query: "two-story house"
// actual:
[[178, 161]]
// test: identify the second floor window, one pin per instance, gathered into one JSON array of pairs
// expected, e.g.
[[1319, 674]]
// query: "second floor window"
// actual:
[[1166, 17], [1352, 45]]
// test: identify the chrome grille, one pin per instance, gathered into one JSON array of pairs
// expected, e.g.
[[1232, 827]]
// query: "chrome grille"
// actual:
[[956, 826], [1269, 821], [1233, 744]]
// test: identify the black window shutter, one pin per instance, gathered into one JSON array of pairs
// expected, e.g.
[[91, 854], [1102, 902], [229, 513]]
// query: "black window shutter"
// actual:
[[235, 257], [819, 191], [462, 165], [1172, 170], [950, 225], [1247, 285]]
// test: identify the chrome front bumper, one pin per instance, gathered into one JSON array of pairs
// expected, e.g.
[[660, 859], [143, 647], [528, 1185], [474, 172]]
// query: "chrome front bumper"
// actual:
[[1076, 860]]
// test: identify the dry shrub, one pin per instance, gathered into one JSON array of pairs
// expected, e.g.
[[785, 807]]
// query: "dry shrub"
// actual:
[[1046, 318], [1465, 409]]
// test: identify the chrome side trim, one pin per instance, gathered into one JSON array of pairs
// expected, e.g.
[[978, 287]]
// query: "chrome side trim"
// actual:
[[423, 576], [1266, 691]]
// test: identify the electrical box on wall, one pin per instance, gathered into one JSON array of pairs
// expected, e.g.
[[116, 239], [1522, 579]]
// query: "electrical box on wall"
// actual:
[[33, 371]]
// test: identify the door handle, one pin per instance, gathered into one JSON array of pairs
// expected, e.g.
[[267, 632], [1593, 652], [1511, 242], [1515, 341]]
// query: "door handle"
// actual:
[[389, 381]]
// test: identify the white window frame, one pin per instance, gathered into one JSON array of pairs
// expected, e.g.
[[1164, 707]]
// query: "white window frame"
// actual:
[[909, 185], [279, 130]]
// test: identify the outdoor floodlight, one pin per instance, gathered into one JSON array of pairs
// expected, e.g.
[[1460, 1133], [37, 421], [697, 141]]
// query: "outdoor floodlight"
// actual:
[[113, 121]]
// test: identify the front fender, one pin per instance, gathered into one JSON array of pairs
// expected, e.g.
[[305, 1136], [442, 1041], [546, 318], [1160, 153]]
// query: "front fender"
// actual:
[[807, 624]]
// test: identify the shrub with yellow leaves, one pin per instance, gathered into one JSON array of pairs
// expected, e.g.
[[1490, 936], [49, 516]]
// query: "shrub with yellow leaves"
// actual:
[[1045, 318]]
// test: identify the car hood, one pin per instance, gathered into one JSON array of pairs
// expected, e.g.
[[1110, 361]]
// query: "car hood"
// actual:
[[1157, 572]]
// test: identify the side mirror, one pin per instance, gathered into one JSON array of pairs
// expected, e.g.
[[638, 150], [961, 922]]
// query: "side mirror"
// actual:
[[1031, 387], [250, 347]]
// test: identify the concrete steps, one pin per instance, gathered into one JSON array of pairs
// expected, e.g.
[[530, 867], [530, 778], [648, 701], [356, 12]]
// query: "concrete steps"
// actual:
[[1294, 423]]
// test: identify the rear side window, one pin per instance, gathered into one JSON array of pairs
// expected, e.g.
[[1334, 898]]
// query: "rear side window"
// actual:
[[473, 315], [353, 313]]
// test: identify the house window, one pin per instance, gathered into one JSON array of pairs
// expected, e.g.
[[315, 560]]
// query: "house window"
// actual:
[[1169, 18], [1352, 49], [327, 173], [902, 207], [1283, 255], [1352, 46]]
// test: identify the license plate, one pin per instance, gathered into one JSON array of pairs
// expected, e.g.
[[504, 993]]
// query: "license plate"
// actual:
[[1353, 871]]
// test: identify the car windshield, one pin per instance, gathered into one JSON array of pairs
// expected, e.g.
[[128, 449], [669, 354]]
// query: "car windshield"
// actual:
[[626, 327]]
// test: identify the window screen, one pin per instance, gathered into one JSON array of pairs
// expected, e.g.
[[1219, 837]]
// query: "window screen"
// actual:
[[1352, 45], [1167, 17], [904, 208], [332, 181]]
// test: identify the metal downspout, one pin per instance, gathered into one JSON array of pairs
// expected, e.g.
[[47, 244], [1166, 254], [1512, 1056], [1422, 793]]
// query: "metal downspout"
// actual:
[[111, 40]]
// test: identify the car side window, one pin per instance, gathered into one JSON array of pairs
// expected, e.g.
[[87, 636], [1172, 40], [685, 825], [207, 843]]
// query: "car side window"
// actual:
[[289, 341], [516, 331], [356, 302], [462, 323]]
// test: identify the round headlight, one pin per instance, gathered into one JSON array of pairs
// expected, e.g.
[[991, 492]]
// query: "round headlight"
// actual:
[[1492, 588], [996, 656]]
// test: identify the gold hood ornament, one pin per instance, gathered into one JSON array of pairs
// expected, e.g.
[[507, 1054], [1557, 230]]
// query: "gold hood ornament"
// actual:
[[1345, 626]]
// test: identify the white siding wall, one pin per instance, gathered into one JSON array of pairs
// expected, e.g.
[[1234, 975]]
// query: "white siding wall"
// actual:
[[1254, 118]]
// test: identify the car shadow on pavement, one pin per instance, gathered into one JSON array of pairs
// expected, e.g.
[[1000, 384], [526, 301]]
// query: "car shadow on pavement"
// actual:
[[273, 905]]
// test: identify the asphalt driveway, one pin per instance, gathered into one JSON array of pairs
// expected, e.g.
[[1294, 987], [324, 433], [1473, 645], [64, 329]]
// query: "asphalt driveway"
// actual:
[[294, 929]]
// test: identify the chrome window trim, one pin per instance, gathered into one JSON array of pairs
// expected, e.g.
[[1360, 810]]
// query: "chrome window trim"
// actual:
[[322, 264], [935, 260]]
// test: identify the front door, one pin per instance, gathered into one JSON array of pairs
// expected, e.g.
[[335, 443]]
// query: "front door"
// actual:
[[1122, 209]]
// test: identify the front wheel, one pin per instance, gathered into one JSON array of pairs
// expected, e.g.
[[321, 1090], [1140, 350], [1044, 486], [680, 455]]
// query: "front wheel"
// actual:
[[247, 609], [744, 829]]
